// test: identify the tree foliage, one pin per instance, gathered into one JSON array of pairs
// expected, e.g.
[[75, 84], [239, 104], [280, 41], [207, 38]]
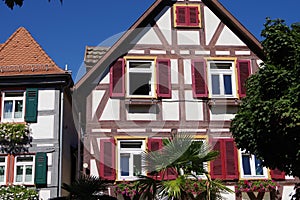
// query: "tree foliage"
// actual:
[[12, 3], [267, 123]]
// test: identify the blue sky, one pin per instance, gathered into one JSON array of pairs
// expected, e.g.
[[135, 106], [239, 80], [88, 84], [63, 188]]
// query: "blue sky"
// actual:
[[63, 30]]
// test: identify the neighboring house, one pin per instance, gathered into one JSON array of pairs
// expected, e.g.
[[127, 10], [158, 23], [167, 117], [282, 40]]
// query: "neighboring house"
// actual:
[[181, 67], [36, 92]]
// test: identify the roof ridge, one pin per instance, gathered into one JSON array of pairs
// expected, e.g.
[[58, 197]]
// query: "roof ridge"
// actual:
[[10, 38], [39, 47]]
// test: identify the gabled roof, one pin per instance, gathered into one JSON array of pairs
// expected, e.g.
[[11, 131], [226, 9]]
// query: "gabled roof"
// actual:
[[123, 44], [93, 54], [22, 55]]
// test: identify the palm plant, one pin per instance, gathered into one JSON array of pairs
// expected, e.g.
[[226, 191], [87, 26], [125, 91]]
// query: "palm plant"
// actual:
[[86, 187], [185, 155]]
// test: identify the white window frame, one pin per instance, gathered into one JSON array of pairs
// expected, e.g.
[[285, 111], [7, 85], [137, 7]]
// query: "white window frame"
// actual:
[[139, 70], [221, 72], [4, 98], [24, 163], [252, 167], [131, 151], [4, 164], [205, 164]]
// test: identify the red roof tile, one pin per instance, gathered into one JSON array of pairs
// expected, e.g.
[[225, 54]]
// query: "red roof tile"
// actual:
[[22, 55]]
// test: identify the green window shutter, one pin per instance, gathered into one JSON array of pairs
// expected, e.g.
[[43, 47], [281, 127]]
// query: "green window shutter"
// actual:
[[40, 168], [31, 105]]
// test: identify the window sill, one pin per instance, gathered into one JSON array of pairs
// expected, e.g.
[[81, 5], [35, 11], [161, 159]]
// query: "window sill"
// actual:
[[134, 101], [252, 177], [221, 102], [133, 178]]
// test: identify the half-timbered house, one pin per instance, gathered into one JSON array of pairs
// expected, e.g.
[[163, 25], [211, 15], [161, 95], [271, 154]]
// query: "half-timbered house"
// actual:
[[35, 92], [181, 67]]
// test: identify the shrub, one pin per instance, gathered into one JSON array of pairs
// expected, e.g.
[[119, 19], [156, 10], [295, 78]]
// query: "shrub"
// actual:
[[18, 193]]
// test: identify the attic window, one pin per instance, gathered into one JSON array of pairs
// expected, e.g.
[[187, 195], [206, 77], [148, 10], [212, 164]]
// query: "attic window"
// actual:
[[187, 15]]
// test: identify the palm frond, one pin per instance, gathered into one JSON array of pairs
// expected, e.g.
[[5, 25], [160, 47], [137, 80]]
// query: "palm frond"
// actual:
[[166, 157], [173, 188], [85, 186]]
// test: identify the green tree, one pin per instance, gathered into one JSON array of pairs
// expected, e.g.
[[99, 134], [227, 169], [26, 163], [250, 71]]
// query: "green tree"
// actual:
[[185, 156], [12, 3], [267, 123]]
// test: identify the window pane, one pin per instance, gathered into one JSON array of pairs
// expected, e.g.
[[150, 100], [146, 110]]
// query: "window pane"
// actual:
[[8, 107], [227, 84], [220, 65], [19, 175], [25, 159], [14, 94], [2, 173], [28, 173], [18, 109], [137, 165], [140, 65], [215, 84], [131, 145], [246, 164], [258, 167], [125, 164], [140, 83]]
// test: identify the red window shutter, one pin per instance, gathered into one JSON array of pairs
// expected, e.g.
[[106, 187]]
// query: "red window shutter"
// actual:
[[225, 166], [107, 159], [216, 165], [163, 78], [181, 13], [117, 81], [155, 144], [0, 105], [199, 82], [171, 174], [277, 174], [231, 166], [193, 16], [243, 68]]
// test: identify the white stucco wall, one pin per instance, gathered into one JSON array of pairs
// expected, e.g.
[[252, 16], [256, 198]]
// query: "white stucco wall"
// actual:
[[111, 110], [164, 24], [44, 194], [287, 191], [211, 21], [193, 107], [97, 96], [227, 37], [266, 196], [149, 37], [222, 112], [188, 38], [187, 66], [142, 113], [174, 71], [228, 196], [44, 128], [170, 108], [46, 100], [93, 168]]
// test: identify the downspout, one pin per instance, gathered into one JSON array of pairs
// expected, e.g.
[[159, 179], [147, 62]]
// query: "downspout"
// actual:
[[79, 146], [60, 140]]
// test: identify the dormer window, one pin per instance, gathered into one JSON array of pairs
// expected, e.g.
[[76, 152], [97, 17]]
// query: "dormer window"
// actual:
[[187, 15]]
